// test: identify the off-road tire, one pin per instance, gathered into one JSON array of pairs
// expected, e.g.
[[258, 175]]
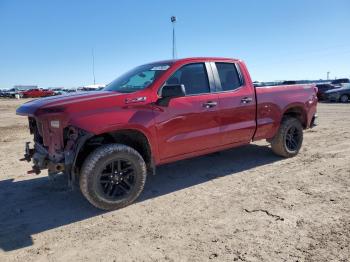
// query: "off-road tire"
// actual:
[[344, 99], [278, 142], [96, 160]]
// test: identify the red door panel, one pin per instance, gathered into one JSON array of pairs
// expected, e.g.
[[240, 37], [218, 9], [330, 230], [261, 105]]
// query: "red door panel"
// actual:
[[187, 125], [237, 116]]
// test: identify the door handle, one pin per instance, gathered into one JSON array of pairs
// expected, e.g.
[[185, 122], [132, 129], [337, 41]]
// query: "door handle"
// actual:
[[246, 100], [210, 104]]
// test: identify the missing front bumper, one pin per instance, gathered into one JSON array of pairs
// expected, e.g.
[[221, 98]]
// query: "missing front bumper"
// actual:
[[38, 155], [66, 161]]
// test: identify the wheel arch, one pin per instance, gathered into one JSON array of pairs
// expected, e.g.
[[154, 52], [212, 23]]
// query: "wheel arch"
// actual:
[[133, 138], [297, 111]]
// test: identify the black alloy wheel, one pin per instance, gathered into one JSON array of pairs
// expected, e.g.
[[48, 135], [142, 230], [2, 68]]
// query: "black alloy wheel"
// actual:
[[289, 137], [292, 138], [117, 179], [113, 176]]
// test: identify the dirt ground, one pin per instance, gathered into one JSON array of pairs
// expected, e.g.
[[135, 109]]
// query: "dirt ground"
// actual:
[[244, 204]]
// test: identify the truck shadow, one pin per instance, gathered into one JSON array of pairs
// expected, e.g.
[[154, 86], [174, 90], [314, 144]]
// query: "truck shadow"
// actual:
[[186, 173], [36, 205]]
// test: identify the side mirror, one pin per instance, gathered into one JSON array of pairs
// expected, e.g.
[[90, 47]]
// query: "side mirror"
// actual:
[[170, 91]]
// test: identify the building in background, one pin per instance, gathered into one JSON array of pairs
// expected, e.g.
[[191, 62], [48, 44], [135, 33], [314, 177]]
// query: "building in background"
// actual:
[[25, 87]]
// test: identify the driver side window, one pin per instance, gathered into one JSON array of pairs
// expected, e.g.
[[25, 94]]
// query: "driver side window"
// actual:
[[193, 76]]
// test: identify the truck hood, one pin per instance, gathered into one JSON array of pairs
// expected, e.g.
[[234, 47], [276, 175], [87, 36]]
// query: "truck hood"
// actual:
[[59, 103]]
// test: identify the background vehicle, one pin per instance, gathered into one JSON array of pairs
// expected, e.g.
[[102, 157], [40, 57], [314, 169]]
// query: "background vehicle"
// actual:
[[295, 82], [2, 93], [338, 95], [159, 113], [58, 91], [70, 90], [37, 93], [322, 88], [11, 93], [340, 81], [289, 82]]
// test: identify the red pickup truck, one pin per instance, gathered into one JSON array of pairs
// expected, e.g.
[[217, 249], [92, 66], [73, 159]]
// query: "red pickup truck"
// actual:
[[157, 113], [37, 93]]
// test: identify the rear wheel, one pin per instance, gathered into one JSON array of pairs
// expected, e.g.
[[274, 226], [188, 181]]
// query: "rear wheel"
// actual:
[[289, 138], [344, 99], [113, 176]]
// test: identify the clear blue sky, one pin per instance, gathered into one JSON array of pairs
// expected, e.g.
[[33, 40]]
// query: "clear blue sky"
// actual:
[[49, 43]]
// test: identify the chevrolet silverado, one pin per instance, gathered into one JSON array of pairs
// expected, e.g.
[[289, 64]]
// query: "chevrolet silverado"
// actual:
[[109, 141]]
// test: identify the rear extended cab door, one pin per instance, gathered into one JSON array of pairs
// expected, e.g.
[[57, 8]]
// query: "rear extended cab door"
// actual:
[[189, 124], [237, 102]]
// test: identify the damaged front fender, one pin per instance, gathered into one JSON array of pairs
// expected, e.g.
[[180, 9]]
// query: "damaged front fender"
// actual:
[[76, 138]]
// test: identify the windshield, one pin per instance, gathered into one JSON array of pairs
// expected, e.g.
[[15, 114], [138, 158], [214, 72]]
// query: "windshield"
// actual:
[[138, 78]]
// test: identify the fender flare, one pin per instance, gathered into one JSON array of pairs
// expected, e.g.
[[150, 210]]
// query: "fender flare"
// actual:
[[300, 107]]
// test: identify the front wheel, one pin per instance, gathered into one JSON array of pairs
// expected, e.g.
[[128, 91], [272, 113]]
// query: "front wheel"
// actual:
[[113, 176], [289, 138], [344, 99]]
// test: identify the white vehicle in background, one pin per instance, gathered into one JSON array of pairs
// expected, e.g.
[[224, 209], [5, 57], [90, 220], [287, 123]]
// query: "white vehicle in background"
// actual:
[[63, 91]]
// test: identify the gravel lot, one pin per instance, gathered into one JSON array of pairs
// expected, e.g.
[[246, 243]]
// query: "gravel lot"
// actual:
[[244, 204]]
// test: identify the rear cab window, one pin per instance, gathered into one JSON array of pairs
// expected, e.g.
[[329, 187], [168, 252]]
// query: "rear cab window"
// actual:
[[228, 76]]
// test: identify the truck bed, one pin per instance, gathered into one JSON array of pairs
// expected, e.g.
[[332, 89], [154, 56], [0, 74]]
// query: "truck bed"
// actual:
[[272, 101]]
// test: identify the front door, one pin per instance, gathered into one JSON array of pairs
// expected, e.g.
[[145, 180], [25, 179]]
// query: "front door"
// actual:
[[189, 124]]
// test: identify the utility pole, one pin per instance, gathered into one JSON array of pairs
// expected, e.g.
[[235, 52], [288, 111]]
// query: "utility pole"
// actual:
[[93, 65], [173, 21], [328, 75]]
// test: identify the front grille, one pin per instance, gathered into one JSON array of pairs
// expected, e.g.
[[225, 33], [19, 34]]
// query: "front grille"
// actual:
[[35, 128]]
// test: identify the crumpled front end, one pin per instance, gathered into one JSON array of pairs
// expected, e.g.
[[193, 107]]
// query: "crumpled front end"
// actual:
[[55, 146], [58, 137]]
